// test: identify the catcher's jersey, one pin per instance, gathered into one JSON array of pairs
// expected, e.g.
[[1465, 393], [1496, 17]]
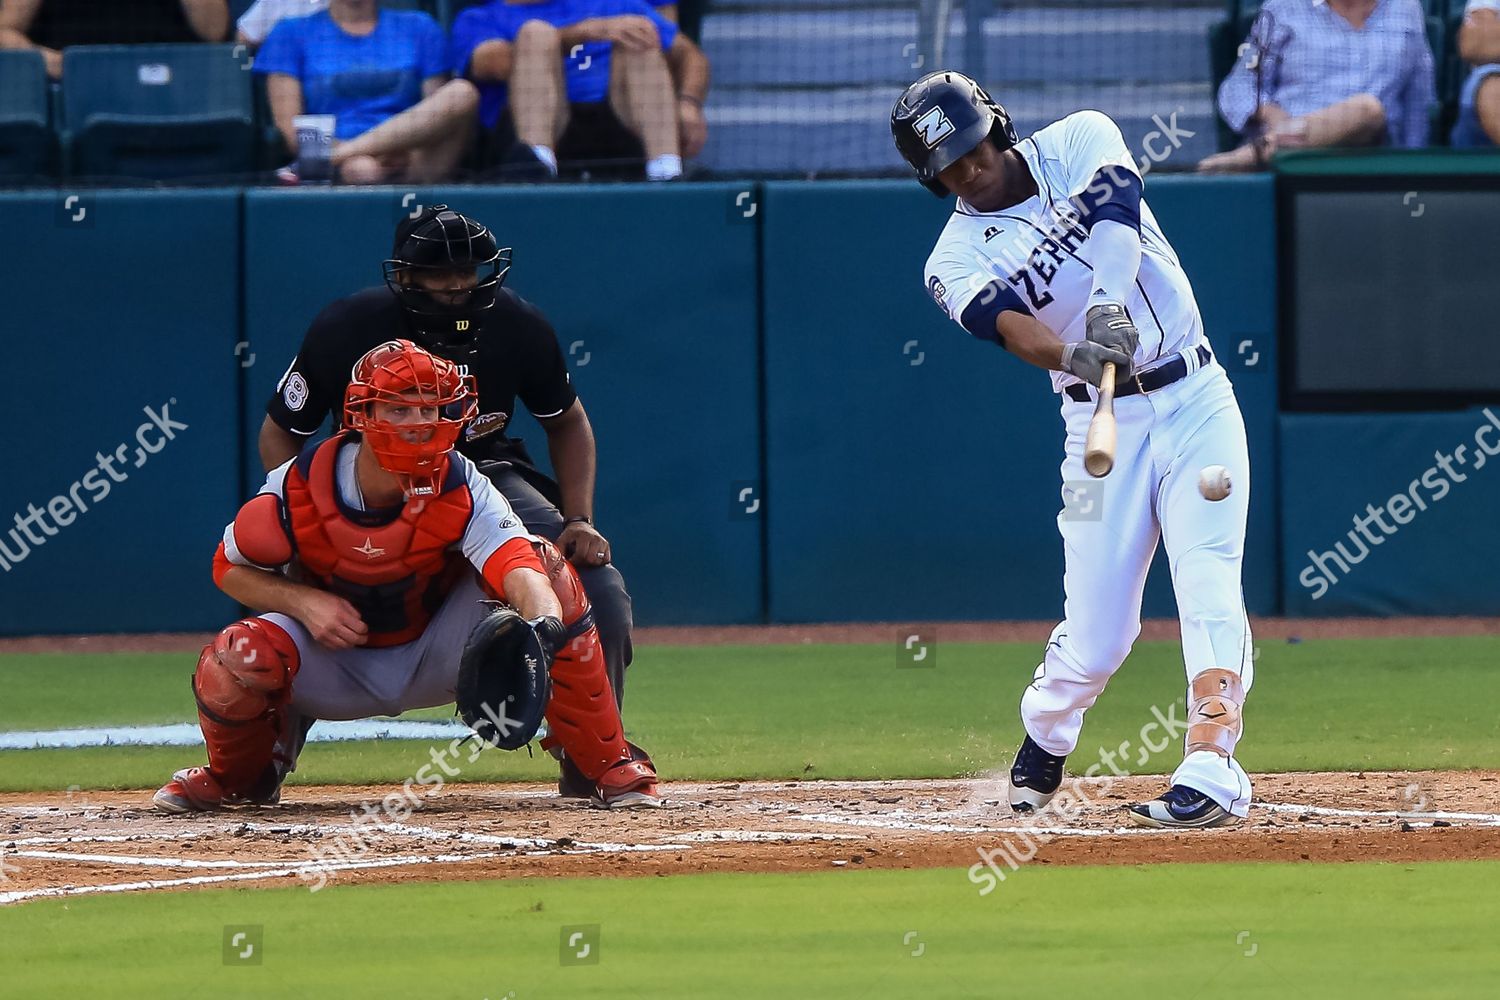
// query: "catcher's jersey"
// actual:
[[1035, 247], [491, 522]]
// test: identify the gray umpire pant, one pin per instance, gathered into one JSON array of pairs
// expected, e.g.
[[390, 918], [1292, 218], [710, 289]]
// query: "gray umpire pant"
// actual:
[[604, 584]]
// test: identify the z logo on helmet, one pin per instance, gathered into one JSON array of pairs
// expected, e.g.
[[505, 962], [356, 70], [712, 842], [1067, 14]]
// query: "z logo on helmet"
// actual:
[[934, 127]]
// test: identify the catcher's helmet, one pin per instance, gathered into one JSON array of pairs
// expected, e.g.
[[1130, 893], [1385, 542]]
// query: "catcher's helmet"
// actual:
[[400, 373], [440, 239], [942, 117]]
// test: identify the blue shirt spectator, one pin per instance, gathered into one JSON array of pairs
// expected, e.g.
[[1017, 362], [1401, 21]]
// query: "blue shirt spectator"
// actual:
[[1479, 104], [587, 68], [1303, 56], [362, 80]]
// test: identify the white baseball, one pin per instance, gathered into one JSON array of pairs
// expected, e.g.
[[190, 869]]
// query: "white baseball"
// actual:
[[1213, 482]]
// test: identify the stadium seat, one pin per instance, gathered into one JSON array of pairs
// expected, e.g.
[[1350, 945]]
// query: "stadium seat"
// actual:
[[448, 10], [429, 6], [157, 112], [27, 143]]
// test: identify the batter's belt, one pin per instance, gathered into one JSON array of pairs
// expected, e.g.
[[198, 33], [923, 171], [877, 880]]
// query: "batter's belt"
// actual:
[[1156, 378]]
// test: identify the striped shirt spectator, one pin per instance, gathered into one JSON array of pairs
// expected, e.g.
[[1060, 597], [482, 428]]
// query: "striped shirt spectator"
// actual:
[[1329, 73]]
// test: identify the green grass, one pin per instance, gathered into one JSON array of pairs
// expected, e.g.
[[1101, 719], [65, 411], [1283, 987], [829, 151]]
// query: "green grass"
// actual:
[[848, 711], [1267, 930]]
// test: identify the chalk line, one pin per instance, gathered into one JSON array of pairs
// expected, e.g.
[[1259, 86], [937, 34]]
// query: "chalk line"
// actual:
[[187, 734]]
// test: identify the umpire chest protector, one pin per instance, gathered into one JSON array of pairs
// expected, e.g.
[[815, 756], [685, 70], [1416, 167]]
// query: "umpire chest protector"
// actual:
[[395, 567]]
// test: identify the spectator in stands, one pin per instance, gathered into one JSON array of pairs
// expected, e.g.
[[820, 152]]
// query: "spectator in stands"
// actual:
[[1479, 105], [1320, 73], [256, 23], [586, 73], [50, 26], [382, 74]]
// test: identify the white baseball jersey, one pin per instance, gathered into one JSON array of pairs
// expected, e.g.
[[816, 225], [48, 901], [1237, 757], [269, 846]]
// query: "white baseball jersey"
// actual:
[[1034, 248]]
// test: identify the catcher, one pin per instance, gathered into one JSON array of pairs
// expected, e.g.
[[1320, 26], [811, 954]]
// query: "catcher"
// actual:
[[360, 555]]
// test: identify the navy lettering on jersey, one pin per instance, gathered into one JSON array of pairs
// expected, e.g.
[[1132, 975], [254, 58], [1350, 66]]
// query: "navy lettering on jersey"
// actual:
[[1023, 278]]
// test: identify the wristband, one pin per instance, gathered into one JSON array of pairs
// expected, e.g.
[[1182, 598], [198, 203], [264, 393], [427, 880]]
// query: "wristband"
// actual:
[[583, 518]]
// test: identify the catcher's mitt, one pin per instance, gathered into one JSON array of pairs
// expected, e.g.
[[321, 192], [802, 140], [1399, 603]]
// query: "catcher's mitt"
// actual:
[[504, 677]]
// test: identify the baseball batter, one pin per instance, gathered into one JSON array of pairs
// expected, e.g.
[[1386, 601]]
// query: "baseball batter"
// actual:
[[370, 557], [1052, 254]]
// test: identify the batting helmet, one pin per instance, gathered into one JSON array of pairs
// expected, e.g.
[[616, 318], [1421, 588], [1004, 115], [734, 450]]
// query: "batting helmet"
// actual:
[[945, 116], [442, 240]]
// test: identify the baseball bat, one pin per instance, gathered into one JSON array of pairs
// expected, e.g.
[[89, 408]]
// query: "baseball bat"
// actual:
[[1099, 446]]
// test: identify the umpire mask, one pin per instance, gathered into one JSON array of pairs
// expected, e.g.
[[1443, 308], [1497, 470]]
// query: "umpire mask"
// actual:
[[446, 269]]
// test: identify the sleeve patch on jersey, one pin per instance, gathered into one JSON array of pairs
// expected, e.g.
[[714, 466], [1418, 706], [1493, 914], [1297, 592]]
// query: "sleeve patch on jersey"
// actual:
[[294, 393], [937, 291]]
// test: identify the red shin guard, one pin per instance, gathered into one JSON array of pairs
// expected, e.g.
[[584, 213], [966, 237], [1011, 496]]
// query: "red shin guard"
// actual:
[[582, 717]]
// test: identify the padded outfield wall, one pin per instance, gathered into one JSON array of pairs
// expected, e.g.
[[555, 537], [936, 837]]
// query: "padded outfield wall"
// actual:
[[788, 430]]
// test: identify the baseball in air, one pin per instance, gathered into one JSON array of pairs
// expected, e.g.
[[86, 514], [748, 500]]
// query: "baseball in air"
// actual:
[[1213, 482]]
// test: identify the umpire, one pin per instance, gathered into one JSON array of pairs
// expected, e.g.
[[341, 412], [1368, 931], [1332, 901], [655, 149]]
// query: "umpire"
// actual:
[[443, 290]]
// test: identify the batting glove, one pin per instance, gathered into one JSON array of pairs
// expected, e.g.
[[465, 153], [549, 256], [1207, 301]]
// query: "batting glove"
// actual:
[[1087, 361], [1110, 326]]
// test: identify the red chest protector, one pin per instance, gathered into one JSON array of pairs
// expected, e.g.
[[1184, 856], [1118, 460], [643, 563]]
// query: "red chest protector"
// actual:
[[396, 570]]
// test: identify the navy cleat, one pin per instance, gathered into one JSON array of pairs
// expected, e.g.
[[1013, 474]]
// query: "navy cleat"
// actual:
[[1181, 808], [1035, 777]]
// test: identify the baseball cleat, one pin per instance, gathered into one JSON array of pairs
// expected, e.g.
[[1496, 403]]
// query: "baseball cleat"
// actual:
[[630, 784], [574, 784], [192, 789], [195, 789], [1035, 777], [1181, 808]]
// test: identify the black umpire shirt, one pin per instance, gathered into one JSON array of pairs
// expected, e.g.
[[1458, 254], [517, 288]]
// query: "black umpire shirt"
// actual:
[[514, 354]]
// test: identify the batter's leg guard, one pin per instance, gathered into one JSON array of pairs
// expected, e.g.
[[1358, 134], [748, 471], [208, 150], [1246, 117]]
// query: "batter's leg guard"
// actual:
[[1216, 699], [243, 676]]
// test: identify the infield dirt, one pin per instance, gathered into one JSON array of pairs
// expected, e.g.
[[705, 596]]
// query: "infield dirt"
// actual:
[[83, 843]]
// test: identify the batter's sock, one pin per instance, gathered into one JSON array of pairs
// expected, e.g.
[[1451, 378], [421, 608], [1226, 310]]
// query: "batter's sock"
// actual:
[[666, 167]]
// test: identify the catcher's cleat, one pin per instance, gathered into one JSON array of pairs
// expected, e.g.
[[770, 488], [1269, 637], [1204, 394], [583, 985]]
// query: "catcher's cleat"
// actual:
[[1181, 808], [630, 784], [195, 789], [574, 784], [1035, 777]]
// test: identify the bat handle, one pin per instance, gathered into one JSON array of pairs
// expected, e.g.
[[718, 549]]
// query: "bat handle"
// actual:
[[1099, 445], [1107, 385]]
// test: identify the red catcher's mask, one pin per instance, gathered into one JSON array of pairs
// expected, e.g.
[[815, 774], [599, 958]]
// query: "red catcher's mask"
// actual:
[[400, 373]]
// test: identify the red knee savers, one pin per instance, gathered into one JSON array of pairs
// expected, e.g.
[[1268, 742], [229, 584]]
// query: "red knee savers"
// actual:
[[565, 582], [248, 667]]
